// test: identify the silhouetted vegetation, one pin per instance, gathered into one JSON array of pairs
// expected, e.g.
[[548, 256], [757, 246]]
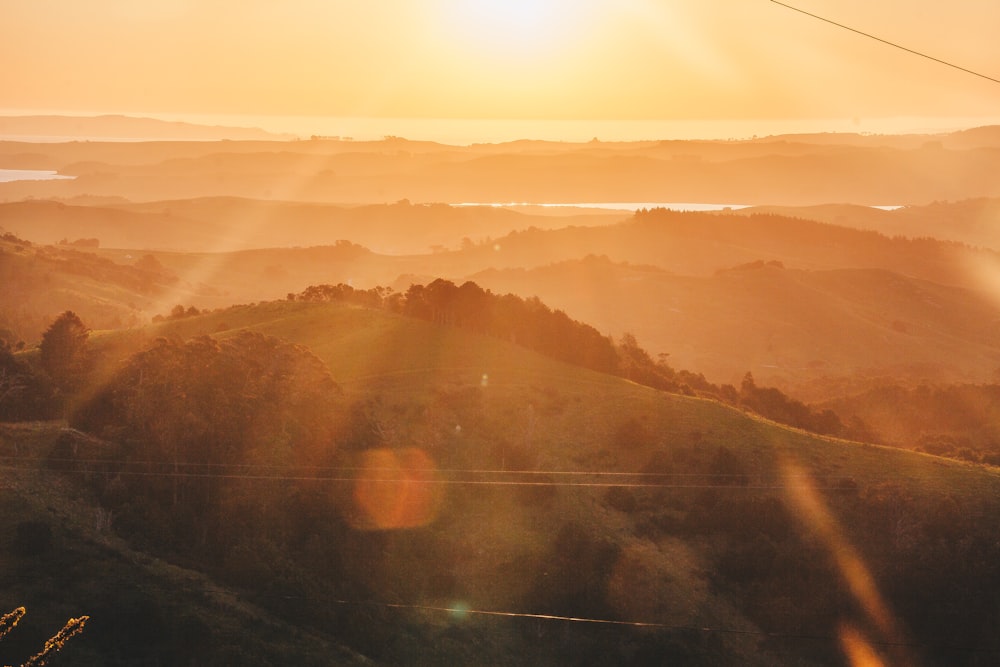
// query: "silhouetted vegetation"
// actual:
[[229, 455], [63, 352], [25, 394], [40, 281], [197, 410], [178, 312], [768, 557], [958, 421], [773, 404], [53, 645], [531, 324]]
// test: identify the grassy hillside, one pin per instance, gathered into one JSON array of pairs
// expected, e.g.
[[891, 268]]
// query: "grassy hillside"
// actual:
[[42, 281], [368, 350], [835, 313], [786, 326], [142, 609], [564, 494], [630, 475]]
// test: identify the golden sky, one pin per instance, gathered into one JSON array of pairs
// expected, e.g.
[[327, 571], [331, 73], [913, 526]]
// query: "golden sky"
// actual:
[[506, 59]]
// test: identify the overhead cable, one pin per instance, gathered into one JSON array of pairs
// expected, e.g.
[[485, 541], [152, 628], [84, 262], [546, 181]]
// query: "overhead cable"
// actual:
[[887, 42]]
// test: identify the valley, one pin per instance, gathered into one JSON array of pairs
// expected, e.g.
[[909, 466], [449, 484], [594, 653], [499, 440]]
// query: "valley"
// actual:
[[307, 416]]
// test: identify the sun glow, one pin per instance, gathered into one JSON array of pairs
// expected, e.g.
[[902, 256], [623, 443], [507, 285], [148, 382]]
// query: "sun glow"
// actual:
[[513, 29], [505, 23]]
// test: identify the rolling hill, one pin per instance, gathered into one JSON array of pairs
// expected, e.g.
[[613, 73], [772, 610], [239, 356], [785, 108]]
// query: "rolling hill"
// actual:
[[970, 221], [40, 282], [230, 224], [848, 301], [566, 494], [118, 127], [796, 171], [695, 243], [786, 326]]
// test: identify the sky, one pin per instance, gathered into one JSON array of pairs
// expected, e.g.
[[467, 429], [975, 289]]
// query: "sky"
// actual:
[[502, 60]]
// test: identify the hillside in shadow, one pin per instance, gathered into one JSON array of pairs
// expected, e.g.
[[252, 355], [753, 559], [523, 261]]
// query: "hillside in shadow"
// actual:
[[390, 506]]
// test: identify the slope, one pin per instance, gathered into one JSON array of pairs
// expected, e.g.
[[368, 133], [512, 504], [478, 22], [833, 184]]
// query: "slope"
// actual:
[[786, 326], [566, 494], [969, 221], [60, 559], [42, 281], [574, 494], [694, 243], [220, 224]]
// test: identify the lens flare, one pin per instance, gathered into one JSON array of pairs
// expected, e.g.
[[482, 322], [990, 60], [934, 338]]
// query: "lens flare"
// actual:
[[396, 489], [814, 514], [857, 648]]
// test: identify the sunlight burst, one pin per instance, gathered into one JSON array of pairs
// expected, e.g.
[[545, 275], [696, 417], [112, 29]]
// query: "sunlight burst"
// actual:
[[509, 30]]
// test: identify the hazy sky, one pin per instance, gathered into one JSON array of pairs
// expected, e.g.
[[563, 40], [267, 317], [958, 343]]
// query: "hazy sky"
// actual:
[[550, 59]]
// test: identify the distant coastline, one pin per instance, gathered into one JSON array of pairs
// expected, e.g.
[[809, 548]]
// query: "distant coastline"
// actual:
[[11, 175], [461, 131]]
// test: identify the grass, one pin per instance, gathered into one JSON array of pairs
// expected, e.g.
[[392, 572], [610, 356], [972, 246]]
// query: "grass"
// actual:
[[143, 610], [564, 425], [575, 411]]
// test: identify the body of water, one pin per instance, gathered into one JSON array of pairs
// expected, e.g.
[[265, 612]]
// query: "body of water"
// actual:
[[633, 206], [614, 206], [10, 175]]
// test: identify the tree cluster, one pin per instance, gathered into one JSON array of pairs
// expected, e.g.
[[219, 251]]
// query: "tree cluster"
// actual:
[[772, 403], [526, 322], [27, 392], [531, 324], [25, 395], [178, 312], [188, 420]]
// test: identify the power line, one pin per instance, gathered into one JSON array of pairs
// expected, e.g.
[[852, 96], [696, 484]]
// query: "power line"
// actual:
[[459, 611], [348, 469], [887, 42], [436, 481]]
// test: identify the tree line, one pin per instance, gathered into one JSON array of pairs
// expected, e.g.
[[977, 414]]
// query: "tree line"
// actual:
[[41, 390], [530, 323]]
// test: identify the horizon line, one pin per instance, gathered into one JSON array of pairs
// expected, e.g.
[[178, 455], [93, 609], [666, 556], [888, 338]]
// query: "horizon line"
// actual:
[[467, 131]]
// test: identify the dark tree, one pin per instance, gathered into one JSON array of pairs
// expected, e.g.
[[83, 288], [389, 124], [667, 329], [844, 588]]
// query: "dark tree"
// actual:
[[24, 394], [63, 351], [191, 411]]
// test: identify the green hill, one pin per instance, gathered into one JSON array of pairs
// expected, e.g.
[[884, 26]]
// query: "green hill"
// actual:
[[578, 519], [42, 281], [787, 326]]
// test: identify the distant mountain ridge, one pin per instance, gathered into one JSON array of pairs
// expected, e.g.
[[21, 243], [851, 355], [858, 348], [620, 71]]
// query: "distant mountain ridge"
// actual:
[[878, 171], [120, 127]]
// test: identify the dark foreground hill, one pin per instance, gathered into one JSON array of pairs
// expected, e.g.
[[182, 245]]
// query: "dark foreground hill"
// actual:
[[478, 504]]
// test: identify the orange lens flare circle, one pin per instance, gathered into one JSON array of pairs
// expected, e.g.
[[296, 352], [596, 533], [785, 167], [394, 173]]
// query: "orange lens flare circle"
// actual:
[[396, 488]]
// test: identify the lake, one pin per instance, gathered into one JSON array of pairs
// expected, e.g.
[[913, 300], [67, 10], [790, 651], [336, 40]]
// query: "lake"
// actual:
[[10, 175], [614, 206], [633, 206]]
